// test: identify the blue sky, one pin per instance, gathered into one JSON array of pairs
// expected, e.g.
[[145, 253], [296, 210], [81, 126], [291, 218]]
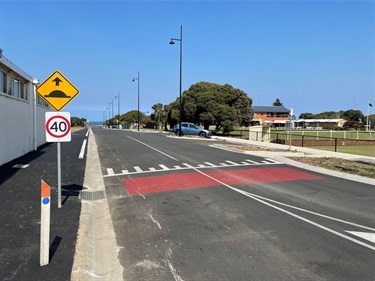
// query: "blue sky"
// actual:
[[314, 56]]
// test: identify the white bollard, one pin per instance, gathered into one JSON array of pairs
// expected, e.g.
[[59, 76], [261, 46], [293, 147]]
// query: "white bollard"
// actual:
[[45, 223]]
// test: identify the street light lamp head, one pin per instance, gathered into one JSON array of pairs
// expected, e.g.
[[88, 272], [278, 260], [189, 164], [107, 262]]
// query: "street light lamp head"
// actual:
[[133, 79], [172, 42]]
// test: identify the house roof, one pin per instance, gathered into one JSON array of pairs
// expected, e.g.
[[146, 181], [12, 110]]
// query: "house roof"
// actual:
[[320, 120], [280, 109]]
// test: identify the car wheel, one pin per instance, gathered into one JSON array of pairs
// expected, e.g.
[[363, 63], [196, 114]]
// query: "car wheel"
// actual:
[[202, 134], [179, 133]]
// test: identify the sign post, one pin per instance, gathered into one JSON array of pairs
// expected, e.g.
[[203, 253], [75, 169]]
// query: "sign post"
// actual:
[[58, 130], [45, 222], [57, 91]]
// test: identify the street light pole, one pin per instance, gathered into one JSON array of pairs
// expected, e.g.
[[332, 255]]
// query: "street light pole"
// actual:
[[113, 114], [118, 122], [172, 42], [109, 112], [138, 97], [118, 103]]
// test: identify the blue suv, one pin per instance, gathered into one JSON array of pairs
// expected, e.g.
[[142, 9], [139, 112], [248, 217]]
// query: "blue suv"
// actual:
[[191, 129]]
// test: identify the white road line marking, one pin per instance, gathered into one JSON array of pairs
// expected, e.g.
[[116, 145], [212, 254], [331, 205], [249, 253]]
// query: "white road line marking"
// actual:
[[271, 160], [88, 132], [257, 198], [251, 161], [163, 167], [365, 235], [21, 166], [110, 171], [187, 166], [311, 212], [82, 152], [138, 169], [154, 148]]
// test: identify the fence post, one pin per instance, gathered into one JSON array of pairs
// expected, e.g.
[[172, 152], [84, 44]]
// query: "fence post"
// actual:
[[335, 144], [303, 138]]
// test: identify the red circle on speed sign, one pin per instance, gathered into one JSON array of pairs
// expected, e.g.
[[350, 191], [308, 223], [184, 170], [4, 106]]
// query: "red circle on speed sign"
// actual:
[[57, 128]]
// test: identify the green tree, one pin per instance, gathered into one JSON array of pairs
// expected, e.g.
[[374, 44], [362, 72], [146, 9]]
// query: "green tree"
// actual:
[[354, 115], [131, 118], [277, 102], [307, 115], [213, 104], [371, 121], [75, 121], [159, 116], [327, 115]]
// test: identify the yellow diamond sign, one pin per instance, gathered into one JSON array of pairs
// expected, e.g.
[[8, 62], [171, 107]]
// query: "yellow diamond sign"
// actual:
[[57, 90]]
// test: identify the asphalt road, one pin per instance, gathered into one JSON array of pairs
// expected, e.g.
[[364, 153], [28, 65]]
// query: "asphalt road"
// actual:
[[184, 209], [20, 212]]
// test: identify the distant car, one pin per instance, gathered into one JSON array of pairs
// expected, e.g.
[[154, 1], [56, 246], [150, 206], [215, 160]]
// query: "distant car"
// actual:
[[191, 129]]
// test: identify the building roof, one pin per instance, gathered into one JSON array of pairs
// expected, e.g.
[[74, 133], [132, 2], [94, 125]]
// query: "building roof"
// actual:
[[15, 68], [280, 109], [320, 120]]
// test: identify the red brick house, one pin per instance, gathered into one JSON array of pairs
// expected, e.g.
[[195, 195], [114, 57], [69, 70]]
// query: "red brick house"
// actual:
[[275, 116]]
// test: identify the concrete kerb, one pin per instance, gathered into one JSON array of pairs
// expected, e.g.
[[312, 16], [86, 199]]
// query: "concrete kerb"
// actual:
[[281, 152], [96, 254]]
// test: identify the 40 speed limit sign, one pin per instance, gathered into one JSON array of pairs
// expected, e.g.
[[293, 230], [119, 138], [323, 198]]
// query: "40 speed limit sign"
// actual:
[[58, 127]]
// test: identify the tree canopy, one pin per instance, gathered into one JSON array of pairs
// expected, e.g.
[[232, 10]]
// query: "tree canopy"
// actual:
[[159, 116], [277, 102], [76, 121], [350, 115], [213, 104]]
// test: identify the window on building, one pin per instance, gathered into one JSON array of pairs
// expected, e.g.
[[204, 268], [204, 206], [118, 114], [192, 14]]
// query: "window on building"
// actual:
[[16, 88], [2, 82], [22, 89], [41, 101], [11, 85], [270, 114]]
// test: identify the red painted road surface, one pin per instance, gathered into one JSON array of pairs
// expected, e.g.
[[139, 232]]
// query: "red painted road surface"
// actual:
[[163, 183]]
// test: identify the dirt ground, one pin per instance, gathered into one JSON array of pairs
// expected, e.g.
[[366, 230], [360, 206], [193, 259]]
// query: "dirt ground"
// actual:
[[337, 164]]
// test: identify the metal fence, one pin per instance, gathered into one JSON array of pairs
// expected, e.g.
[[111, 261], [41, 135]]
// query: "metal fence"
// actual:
[[354, 142], [365, 146]]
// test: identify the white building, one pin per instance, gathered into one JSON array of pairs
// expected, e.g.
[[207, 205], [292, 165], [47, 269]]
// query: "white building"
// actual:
[[22, 112]]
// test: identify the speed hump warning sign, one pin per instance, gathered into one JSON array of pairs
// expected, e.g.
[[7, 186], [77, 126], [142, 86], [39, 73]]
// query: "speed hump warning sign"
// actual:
[[58, 127], [57, 90]]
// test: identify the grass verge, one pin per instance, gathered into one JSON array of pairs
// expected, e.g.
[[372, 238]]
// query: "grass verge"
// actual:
[[363, 169]]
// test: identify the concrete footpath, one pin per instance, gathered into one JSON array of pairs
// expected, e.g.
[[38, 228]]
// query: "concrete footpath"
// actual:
[[280, 153], [96, 255]]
